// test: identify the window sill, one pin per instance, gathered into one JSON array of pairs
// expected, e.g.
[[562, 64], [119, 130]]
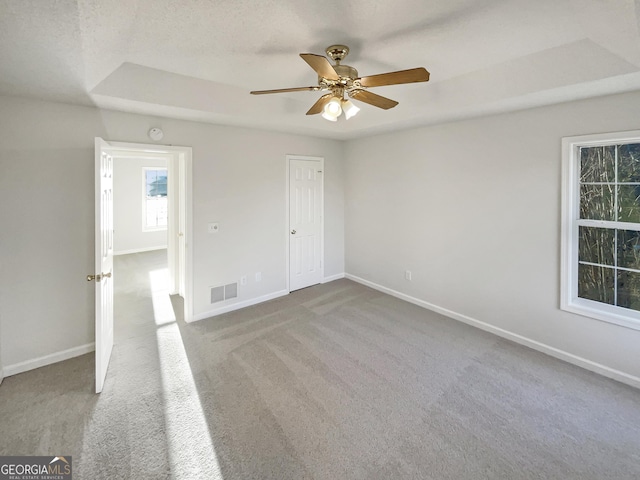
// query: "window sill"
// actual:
[[604, 313]]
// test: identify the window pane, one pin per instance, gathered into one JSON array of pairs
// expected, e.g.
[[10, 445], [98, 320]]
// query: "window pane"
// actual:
[[162, 211], [629, 163], [156, 183], [596, 283], [629, 289], [596, 245], [157, 211], [150, 176], [629, 249], [596, 202], [597, 164], [629, 203], [152, 219]]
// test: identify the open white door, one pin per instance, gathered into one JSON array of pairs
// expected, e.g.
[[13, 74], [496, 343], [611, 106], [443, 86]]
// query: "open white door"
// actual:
[[104, 260], [305, 222]]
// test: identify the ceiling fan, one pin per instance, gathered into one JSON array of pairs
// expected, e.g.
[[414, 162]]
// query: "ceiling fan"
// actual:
[[342, 79]]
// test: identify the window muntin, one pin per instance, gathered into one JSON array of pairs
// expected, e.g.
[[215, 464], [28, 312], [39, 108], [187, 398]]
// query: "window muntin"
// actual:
[[601, 227], [155, 205]]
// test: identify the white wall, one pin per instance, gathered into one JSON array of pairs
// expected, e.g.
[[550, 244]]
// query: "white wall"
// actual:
[[473, 210], [127, 207], [47, 192]]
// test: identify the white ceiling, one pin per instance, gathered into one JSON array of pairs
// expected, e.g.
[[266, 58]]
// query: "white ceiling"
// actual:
[[198, 59]]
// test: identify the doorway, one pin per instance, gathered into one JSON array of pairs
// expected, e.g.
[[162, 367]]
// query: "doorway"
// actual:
[[178, 231]]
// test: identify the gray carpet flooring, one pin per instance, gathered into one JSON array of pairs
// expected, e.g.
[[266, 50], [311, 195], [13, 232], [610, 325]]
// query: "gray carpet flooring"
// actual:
[[336, 381]]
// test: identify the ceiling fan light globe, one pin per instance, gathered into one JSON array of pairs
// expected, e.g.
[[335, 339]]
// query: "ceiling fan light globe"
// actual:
[[333, 107], [328, 116], [349, 109]]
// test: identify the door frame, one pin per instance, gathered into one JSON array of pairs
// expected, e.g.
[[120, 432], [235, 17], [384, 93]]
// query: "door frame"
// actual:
[[288, 159], [180, 163]]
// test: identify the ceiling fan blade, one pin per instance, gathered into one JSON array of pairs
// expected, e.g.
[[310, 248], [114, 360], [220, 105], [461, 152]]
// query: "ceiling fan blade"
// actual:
[[282, 90], [319, 105], [395, 78], [321, 65], [373, 99]]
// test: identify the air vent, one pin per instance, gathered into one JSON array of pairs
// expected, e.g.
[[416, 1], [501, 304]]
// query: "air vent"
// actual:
[[225, 292], [230, 291], [217, 294]]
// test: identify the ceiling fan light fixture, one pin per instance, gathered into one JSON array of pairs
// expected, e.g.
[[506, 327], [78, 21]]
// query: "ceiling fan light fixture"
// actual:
[[333, 107], [328, 116], [349, 108], [339, 80]]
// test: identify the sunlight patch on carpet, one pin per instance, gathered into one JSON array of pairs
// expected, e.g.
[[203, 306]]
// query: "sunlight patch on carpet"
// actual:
[[162, 309], [191, 450]]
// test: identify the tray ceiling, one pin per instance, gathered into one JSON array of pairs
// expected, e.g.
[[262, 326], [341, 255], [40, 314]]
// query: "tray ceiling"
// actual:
[[199, 59]]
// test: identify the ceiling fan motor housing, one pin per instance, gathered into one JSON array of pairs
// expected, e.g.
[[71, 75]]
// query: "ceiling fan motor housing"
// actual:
[[347, 75], [346, 71]]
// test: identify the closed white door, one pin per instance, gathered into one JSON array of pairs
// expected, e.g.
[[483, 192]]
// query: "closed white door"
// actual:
[[305, 223], [103, 275]]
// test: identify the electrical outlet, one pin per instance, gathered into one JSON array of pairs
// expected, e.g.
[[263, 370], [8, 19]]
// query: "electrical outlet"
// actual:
[[243, 280], [258, 276], [407, 275]]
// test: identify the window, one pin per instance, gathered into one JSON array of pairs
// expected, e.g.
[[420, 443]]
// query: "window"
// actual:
[[154, 203], [601, 227]]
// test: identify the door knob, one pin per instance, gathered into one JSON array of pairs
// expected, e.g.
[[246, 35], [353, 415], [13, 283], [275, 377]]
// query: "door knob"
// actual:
[[293, 232]]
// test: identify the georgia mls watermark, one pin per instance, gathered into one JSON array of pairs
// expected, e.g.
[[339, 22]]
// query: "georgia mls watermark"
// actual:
[[35, 468]]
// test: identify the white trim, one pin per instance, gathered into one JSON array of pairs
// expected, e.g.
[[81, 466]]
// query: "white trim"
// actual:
[[514, 337], [570, 218], [186, 159], [288, 159], [139, 250], [287, 240], [332, 278], [48, 359], [239, 305], [173, 220]]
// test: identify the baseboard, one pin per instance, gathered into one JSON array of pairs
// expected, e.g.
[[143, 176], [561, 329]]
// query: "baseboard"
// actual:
[[48, 359], [527, 342], [331, 278], [239, 305], [138, 250], [254, 301]]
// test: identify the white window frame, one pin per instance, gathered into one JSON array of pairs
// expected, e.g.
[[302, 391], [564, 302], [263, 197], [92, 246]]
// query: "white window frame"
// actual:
[[571, 222], [145, 227]]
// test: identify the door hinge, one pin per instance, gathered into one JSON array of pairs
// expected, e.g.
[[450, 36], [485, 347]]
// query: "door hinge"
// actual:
[[98, 277]]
